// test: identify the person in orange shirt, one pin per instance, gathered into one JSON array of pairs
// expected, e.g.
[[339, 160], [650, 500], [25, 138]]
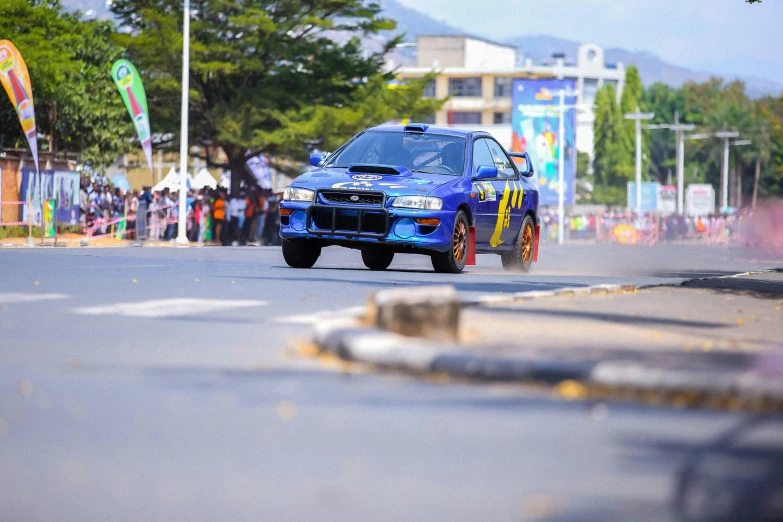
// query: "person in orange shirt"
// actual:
[[251, 216], [219, 217]]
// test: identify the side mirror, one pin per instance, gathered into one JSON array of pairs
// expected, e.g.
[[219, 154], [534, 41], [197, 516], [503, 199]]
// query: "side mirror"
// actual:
[[525, 166], [316, 158], [486, 172]]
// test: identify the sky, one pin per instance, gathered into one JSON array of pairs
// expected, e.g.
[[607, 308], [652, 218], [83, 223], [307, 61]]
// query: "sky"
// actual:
[[728, 37]]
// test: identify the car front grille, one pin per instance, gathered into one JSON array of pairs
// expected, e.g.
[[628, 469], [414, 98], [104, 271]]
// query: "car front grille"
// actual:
[[352, 198]]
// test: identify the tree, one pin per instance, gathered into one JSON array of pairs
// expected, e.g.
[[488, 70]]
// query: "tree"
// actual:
[[267, 76], [69, 60], [663, 101], [609, 186], [631, 100]]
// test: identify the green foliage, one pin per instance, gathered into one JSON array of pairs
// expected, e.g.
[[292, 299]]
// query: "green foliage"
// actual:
[[610, 149], [69, 60], [582, 163], [19, 231], [267, 76], [632, 99], [712, 106]]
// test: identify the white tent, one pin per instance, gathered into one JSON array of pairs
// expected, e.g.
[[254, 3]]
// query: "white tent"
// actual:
[[171, 182], [202, 179]]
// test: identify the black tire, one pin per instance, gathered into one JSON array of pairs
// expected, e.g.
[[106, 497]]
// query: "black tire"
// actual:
[[377, 258], [453, 260], [520, 259], [300, 253]]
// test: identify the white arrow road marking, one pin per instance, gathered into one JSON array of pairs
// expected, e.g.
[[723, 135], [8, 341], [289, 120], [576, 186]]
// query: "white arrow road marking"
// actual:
[[168, 307], [355, 311], [28, 298]]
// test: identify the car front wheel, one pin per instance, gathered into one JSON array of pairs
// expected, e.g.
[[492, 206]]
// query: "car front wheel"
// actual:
[[453, 260], [300, 253]]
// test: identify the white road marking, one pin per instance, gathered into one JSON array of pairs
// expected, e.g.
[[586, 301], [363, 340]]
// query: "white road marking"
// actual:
[[12, 297], [168, 307], [354, 311]]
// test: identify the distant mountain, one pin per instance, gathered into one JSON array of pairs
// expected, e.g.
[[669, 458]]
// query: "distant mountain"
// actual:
[[413, 23], [541, 47]]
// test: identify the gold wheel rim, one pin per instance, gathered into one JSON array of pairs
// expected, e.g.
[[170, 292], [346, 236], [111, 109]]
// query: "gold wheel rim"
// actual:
[[527, 243], [460, 240]]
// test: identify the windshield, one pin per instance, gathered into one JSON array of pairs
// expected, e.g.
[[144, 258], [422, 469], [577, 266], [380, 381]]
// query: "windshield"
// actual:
[[424, 153]]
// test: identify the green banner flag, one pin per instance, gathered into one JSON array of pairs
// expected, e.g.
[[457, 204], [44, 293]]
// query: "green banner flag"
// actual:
[[128, 82]]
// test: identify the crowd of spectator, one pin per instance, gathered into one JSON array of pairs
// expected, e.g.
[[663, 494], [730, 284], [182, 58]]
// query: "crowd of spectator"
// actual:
[[250, 217], [714, 228]]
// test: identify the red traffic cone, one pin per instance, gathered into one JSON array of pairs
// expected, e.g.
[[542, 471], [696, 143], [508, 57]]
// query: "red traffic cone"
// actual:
[[471, 261]]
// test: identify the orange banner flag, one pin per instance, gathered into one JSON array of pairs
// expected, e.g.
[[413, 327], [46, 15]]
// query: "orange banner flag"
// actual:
[[16, 80]]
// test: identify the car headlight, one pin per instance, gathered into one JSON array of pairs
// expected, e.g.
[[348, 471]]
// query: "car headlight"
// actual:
[[422, 202], [298, 194]]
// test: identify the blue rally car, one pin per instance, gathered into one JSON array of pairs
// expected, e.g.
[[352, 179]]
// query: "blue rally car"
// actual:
[[414, 189]]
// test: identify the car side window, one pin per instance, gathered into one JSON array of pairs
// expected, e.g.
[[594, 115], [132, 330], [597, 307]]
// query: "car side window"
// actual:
[[481, 155], [501, 160]]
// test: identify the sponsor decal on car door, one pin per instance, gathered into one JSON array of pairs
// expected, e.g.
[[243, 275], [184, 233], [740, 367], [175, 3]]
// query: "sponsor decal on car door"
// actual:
[[487, 196]]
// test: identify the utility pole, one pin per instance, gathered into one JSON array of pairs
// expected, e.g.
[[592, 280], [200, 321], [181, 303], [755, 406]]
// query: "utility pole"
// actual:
[[724, 186], [561, 173], [638, 117], [679, 130], [182, 231], [738, 173], [756, 183]]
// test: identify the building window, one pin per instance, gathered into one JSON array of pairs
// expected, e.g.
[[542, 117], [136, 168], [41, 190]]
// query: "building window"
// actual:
[[465, 86], [429, 92], [502, 118], [612, 82], [589, 90], [503, 87], [465, 118]]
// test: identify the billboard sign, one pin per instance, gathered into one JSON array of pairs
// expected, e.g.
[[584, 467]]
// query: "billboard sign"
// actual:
[[650, 192], [48, 218], [62, 186], [667, 200], [535, 123], [700, 200]]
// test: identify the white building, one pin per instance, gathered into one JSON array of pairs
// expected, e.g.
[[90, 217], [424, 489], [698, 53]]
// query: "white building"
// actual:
[[478, 75]]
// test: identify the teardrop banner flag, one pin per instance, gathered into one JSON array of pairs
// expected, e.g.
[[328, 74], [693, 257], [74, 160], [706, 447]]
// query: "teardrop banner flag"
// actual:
[[16, 80], [128, 82]]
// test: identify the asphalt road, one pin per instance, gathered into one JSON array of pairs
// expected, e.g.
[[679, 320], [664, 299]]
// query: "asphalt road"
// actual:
[[156, 384]]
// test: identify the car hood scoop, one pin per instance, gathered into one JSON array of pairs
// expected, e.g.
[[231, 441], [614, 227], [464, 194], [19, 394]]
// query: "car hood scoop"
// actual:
[[383, 170]]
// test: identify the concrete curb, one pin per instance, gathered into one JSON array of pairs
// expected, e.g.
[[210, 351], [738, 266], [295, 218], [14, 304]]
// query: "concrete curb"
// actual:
[[568, 291], [737, 387]]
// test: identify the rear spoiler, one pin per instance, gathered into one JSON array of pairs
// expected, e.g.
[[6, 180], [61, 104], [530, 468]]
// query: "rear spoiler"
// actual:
[[529, 164]]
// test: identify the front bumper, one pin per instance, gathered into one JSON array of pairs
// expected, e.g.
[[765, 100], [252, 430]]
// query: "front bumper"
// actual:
[[356, 226]]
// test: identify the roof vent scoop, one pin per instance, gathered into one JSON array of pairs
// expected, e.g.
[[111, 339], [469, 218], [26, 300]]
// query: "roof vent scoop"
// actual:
[[416, 127]]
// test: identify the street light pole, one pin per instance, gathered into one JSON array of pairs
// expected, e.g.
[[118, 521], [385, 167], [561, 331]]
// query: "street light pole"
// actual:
[[561, 173], [680, 130], [738, 199], [638, 117], [724, 186], [182, 231], [561, 164]]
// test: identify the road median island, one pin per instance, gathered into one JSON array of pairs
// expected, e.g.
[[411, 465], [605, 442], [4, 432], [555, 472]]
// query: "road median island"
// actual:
[[704, 343]]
